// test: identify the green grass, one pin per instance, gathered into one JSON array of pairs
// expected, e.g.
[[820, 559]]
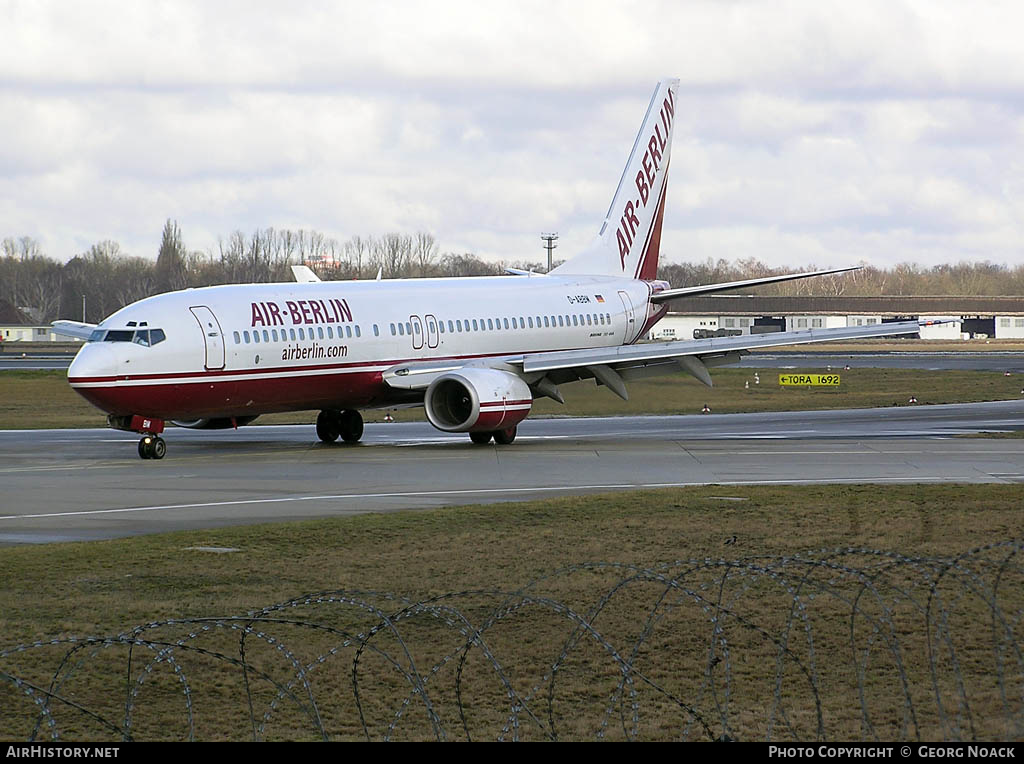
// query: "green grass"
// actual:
[[105, 588], [43, 399]]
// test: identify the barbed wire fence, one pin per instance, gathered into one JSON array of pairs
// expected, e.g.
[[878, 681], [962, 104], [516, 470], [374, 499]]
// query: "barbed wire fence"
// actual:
[[837, 644]]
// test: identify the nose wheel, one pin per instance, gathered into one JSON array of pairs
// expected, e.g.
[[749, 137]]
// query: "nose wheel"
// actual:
[[152, 447]]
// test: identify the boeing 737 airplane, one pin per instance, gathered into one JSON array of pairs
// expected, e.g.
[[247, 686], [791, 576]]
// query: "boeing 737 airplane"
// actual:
[[474, 352]]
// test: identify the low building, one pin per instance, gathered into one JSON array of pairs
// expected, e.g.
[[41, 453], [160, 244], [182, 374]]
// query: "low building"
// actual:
[[954, 317]]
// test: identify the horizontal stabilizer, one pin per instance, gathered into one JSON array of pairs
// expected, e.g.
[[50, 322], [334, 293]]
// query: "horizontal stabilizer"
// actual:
[[670, 294]]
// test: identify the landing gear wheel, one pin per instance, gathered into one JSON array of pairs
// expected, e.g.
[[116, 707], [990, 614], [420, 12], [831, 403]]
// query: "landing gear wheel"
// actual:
[[505, 437], [152, 447], [350, 425], [481, 438], [328, 425]]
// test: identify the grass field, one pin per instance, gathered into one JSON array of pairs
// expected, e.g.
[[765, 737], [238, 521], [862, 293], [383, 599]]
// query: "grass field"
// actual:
[[746, 638], [43, 399]]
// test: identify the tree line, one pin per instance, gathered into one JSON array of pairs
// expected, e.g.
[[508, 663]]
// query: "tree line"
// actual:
[[104, 278]]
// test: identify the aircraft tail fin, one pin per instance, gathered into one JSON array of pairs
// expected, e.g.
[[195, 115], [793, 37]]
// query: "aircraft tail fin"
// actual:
[[629, 241]]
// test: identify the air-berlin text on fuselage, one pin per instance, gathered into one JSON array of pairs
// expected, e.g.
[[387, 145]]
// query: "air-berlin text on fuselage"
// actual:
[[629, 223], [295, 312]]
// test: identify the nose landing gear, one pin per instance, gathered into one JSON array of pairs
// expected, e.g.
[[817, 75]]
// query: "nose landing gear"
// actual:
[[152, 447]]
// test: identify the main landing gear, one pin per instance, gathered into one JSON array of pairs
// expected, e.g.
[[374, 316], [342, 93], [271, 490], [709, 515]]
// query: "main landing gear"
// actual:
[[332, 424], [501, 437], [152, 447]]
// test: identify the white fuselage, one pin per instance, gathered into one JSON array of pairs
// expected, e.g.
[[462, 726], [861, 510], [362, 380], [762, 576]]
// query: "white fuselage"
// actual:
[[234, 351]]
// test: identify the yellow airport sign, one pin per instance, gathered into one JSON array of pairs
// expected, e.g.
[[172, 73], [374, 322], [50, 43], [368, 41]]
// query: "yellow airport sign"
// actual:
[[815, 380]]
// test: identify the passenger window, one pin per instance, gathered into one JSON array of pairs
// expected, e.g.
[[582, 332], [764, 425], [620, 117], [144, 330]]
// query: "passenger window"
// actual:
[[530, 319], [401, 329], [273, 333], [575, 322], [255, 335], [475, 328], [302, 333], [451, 329], [376, 331], [291, 332], [408, 328], [246, 335], [506, 322], [392, 330], [348, 332], [238, 339], [560, 323], [416, 328], [330, 332], [266, 336], [514, 325], [545, 322], [358, 332], [490, 325]]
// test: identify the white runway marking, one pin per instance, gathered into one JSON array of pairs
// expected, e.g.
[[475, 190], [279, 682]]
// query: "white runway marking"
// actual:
[[470, 492]]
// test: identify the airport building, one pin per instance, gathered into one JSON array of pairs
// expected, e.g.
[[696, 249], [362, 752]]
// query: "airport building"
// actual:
[[964, 317], [15, 326]]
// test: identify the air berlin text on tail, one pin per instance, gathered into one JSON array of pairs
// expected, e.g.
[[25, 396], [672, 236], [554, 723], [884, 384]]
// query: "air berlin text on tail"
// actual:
[[629, 223]]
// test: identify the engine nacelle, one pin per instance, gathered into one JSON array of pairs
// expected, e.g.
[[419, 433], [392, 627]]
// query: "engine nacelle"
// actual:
[[216, 423], [477, 400]]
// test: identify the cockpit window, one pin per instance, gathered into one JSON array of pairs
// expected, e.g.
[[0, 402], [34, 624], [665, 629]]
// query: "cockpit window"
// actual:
[[144, 337]]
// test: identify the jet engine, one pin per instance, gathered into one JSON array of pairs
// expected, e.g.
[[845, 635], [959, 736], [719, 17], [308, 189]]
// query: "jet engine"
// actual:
[[477, 400], [216, 423]]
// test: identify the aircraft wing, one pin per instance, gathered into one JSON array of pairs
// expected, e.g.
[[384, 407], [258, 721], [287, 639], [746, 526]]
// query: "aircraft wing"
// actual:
[[613, 366], [73, 329]]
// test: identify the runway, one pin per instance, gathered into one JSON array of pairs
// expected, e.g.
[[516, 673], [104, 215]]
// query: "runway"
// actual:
[[63, 485]]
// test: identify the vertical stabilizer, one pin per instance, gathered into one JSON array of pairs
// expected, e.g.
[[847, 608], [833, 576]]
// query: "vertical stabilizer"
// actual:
[[630, 237]]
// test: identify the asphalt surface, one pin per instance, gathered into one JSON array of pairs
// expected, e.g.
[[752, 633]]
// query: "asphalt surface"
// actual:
[[61, 485]]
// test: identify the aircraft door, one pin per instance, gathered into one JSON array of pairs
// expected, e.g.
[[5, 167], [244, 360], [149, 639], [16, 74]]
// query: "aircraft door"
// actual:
[[627, 305], [417, 332], [212, 336], [432, 331]]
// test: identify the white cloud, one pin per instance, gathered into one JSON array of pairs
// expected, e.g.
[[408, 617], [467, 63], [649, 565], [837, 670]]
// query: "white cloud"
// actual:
[[807, 131]]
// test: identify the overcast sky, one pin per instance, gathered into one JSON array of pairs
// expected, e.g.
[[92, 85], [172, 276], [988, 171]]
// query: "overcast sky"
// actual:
[[807, 132]]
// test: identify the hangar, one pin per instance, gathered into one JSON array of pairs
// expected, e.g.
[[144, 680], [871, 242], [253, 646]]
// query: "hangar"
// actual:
[[968, 317]]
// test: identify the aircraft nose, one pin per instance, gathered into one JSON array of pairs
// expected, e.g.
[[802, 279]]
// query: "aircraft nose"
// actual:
[[93, 360]]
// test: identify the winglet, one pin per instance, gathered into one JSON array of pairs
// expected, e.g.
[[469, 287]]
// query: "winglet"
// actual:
[[304, 274]]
